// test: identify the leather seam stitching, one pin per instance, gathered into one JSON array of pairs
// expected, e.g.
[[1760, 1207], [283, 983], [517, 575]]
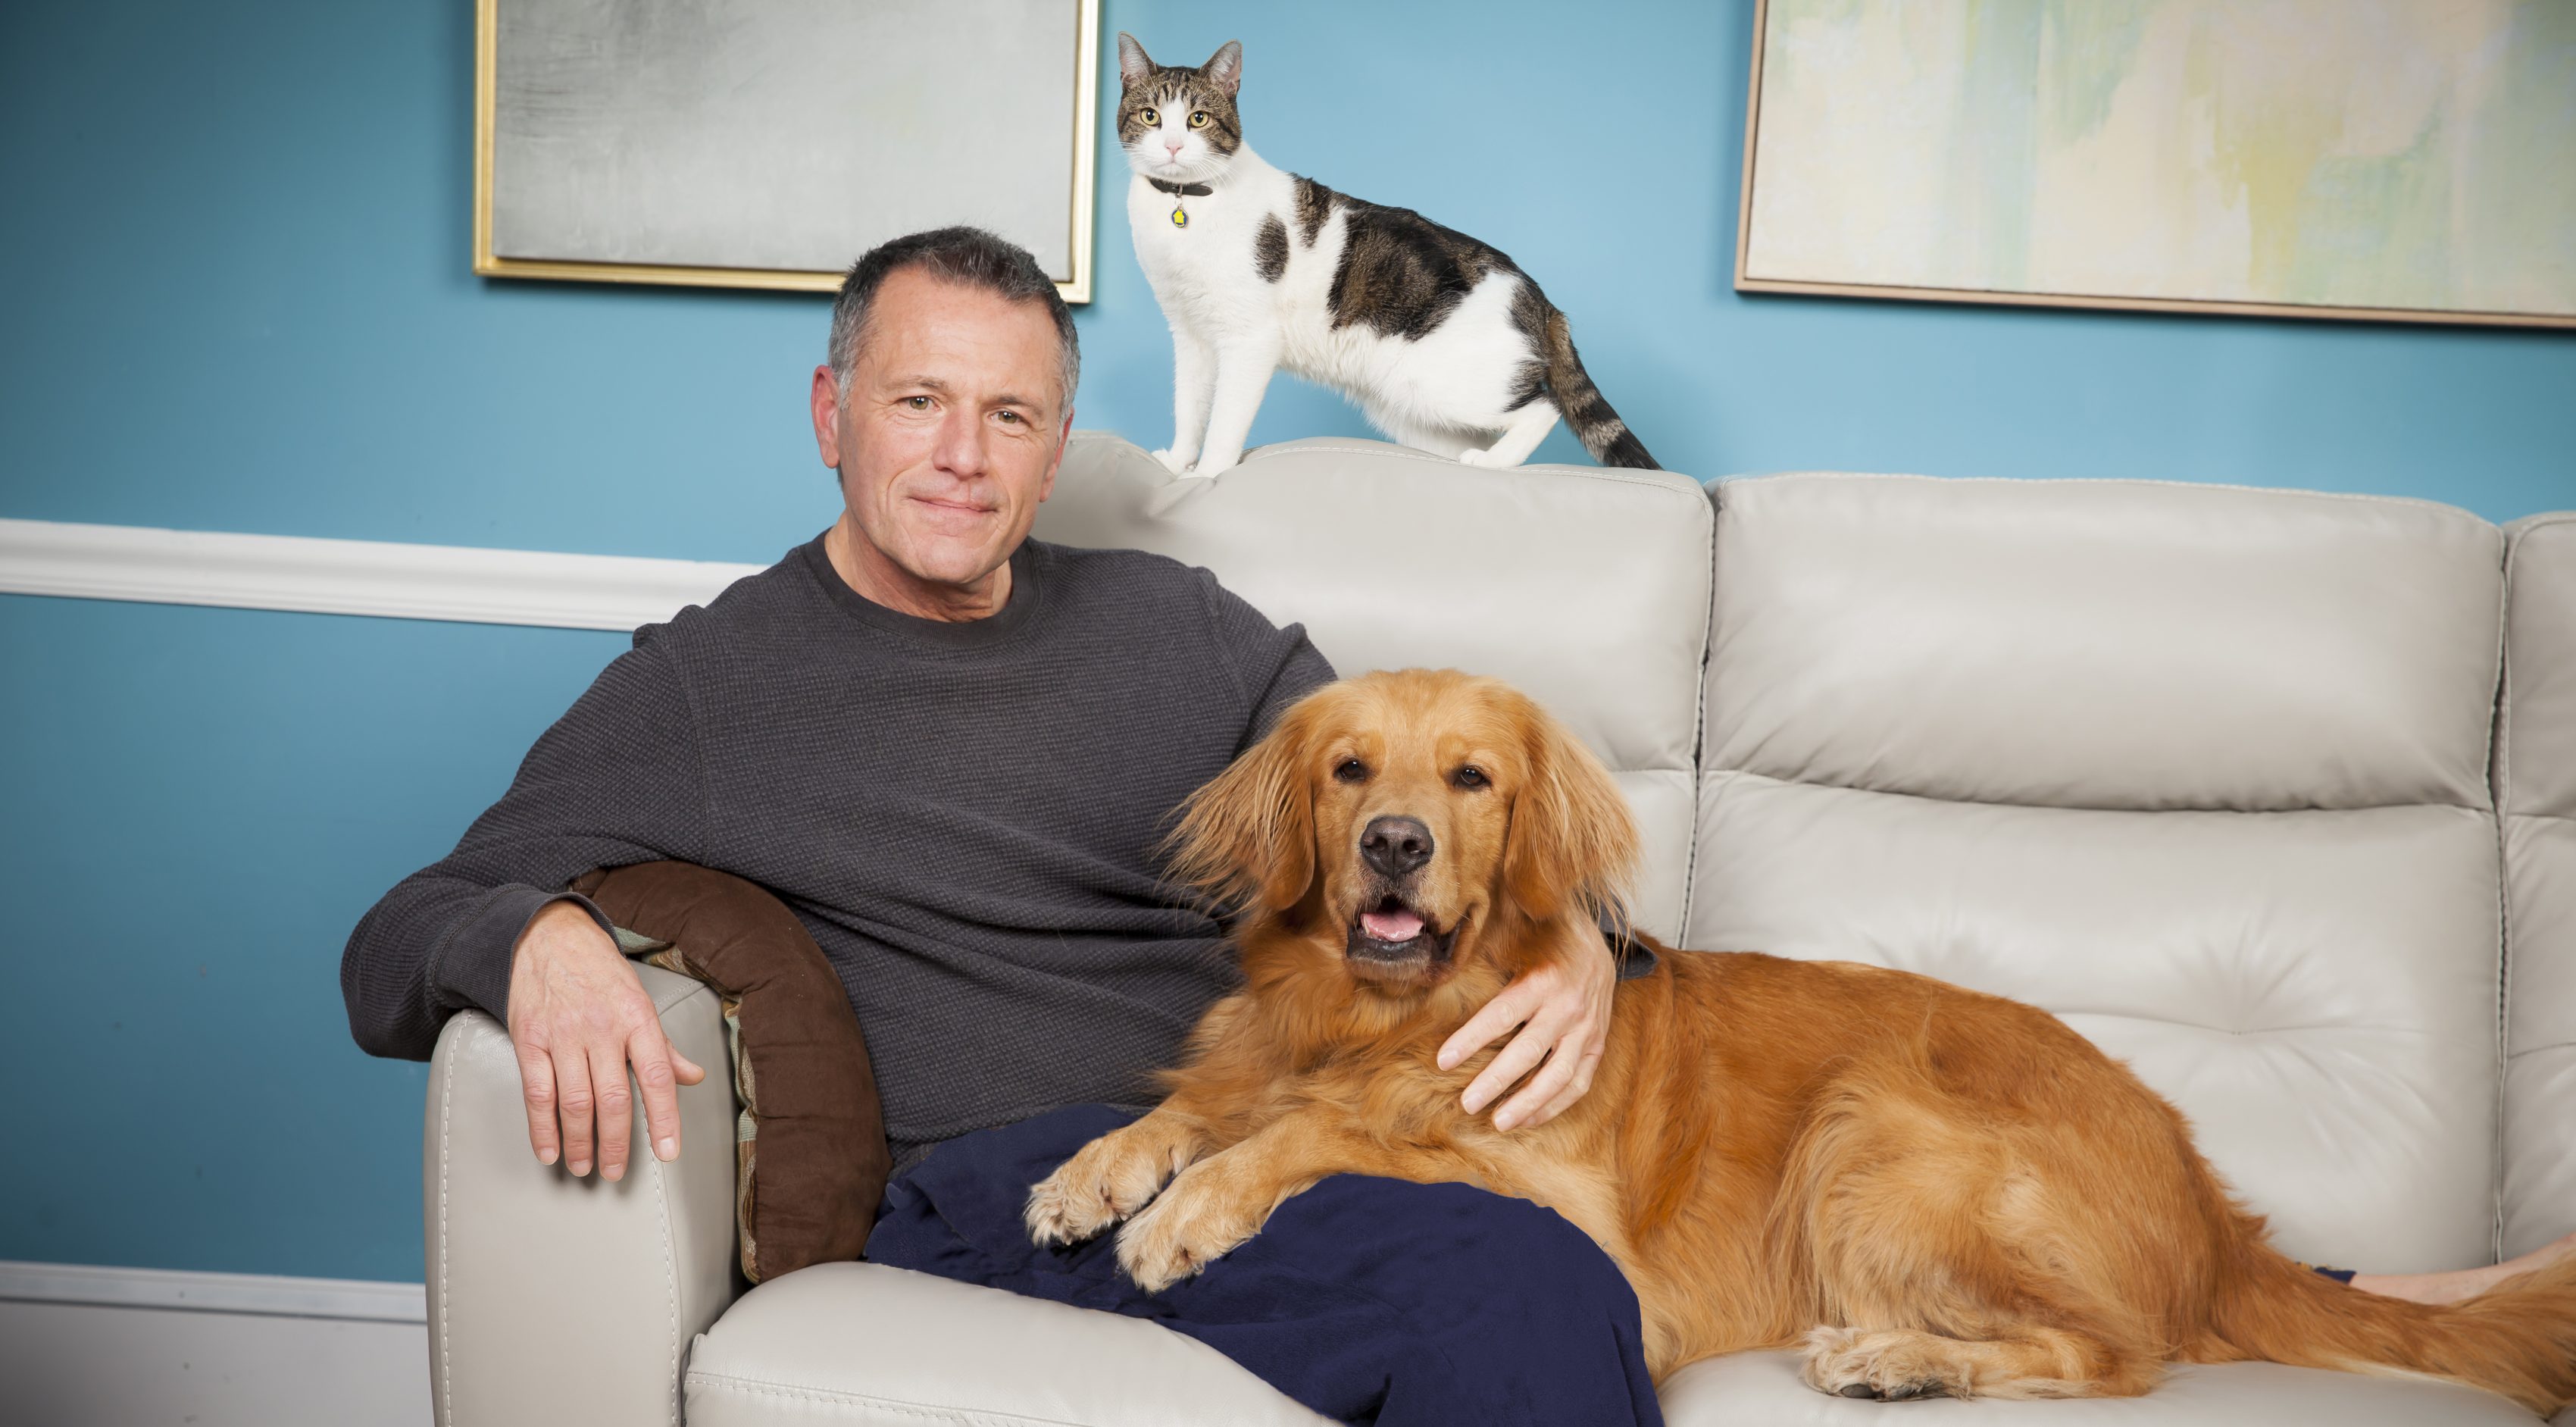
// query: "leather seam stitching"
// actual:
[[670, 1270], [1401, 453], [1777, 781], [439, 1305], [2499, 786], [1699, 723], [918, 1409], [2365, 497]]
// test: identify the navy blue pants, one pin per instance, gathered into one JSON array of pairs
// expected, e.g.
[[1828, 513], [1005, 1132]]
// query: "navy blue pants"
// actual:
[[1369, 1300]]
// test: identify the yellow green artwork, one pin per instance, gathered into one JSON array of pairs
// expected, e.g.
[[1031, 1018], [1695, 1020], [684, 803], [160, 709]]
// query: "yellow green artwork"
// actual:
[[2378, 158]]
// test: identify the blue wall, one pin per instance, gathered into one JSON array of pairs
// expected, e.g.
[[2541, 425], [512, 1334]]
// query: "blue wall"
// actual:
[[236, 241]]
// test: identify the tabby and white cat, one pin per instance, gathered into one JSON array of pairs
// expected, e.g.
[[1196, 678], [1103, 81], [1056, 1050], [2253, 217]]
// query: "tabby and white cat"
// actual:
[[1442, 340]]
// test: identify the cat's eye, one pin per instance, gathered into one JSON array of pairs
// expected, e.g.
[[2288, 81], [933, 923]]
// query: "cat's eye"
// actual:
[[1198, 119], [1470, 776], [1350, 770], [1148, 117]]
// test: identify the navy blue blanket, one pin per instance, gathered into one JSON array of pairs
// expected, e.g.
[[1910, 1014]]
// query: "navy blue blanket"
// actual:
[[1369, 1300]]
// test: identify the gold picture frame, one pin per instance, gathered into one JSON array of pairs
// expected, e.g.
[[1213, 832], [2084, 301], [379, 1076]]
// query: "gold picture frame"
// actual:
[[1079, 218], [1748, 279]]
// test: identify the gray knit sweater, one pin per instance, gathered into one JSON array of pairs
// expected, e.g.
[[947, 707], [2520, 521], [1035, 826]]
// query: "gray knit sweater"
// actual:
[[963, 814]]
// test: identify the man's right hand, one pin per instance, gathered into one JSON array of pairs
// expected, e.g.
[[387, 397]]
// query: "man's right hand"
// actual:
[[578, 1018]]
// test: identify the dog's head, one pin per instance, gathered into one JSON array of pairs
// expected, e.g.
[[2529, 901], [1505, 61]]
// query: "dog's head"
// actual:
[[1412, 820]]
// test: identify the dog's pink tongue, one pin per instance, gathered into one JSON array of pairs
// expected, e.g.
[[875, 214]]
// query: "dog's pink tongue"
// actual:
[[1391, 926]]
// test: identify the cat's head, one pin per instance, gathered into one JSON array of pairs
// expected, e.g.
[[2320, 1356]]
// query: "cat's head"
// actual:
[[1178, 124]]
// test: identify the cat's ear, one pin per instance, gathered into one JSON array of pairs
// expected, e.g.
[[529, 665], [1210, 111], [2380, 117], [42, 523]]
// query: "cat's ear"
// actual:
[[1134, 65], [1226, 67]]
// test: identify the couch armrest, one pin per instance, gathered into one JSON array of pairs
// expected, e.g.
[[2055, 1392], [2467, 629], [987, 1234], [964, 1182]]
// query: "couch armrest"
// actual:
[[554, 1299]]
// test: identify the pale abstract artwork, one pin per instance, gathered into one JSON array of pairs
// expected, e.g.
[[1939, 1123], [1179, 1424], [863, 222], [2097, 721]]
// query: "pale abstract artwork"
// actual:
[[2376, 158]]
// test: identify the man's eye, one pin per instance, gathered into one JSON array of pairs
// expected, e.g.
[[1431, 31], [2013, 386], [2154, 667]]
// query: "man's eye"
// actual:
[[1350, 770], [1148, 117], [1010, 416], [1470, 776], [1198, 119], [917, 403]]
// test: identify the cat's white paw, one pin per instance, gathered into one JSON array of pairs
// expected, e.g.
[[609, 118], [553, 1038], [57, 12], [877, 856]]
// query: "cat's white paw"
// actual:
[[1176, 464], [1479, 456], [1209, 466]]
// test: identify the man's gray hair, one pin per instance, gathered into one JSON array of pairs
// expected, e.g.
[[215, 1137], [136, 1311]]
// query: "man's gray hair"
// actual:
[[961, 255]]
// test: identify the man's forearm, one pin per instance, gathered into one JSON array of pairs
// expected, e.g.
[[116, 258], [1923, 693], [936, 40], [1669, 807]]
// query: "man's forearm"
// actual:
[[436, 944], [614, 781]]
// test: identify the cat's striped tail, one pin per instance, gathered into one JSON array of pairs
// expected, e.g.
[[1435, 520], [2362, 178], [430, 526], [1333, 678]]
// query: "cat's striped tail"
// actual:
[[1583, 406]]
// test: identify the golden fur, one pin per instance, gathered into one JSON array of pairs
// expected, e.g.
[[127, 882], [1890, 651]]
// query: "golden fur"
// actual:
[[1933, 1191]]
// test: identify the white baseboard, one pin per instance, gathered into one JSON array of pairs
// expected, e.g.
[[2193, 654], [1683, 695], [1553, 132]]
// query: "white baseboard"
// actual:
[[109, 1347], [365, 577], [180, 1290]]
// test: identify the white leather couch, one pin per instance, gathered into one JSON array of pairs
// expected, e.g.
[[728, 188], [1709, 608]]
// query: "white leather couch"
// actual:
[[2271, 793]]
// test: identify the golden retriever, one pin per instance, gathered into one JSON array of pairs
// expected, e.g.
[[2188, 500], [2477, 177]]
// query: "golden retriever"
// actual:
[[1935, 1192]]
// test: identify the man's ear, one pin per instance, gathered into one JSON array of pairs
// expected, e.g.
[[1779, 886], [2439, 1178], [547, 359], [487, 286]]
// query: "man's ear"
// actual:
[[1572, 846], [1225, 67], [1133, 63], [825, 398], [1249, 835]]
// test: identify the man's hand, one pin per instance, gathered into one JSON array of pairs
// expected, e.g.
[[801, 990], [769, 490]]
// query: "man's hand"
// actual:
[[1563, 1010], [578, 1016]]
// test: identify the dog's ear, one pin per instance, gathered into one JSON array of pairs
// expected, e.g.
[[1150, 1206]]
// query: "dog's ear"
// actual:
[[1572, 847], [1249, 834]]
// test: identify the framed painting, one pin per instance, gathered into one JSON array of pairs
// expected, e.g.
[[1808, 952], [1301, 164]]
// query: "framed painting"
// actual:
[[768, 143], [2394, 160]]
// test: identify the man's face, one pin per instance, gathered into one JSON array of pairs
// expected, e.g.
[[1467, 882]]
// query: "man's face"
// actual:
[[953, 425]]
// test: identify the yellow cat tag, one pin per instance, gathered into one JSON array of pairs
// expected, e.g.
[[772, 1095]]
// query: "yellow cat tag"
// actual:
[[1179, 218]]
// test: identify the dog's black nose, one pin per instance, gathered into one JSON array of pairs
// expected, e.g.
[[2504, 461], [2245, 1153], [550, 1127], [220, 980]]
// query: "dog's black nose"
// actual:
[[1395, 846]]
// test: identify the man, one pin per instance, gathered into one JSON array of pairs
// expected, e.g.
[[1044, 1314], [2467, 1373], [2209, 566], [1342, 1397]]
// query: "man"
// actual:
[[950, 749]]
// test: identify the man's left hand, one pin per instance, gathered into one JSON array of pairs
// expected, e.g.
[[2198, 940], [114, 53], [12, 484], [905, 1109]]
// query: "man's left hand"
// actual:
[[1562, 1007]]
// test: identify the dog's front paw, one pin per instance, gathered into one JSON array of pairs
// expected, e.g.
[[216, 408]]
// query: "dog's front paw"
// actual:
[[1892, 1366], [1109, 1179], [1200, 1219], [1174, 462]]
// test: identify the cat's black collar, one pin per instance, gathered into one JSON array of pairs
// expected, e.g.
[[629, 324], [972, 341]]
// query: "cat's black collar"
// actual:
[[1185, 190]]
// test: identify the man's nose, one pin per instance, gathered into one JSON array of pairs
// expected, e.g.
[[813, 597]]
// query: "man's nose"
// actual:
[[961, 443], [1395, 846]]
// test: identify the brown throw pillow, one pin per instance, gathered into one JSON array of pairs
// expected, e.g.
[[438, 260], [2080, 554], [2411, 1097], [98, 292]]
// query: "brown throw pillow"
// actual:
[[812, 1160]]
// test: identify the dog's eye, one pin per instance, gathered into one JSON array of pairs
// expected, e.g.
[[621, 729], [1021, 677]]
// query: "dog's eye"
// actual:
[[1350, 770], [1470, 776]]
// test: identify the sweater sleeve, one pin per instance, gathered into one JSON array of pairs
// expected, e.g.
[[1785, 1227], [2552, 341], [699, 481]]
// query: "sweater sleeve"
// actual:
[[617, 780], [1273, 667]]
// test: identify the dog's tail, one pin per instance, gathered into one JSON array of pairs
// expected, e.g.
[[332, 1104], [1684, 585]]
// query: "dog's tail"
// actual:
[[2517, 1339], [1581, 403]]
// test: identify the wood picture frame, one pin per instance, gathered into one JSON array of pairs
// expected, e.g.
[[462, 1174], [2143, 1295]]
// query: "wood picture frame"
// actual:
[[494, 255]]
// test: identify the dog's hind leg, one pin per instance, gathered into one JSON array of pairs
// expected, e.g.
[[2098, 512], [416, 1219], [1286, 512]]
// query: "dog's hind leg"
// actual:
[[1900, 1363], [1943, 1265]]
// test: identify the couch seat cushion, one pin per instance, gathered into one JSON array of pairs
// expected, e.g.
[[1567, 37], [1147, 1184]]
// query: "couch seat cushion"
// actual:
[[863, 1343], [857, 1342], [1765, 1388]]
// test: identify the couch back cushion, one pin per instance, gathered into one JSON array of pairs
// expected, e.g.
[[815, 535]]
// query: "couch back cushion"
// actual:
[[1587, 588], [2200, 770], [2536, 786]]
